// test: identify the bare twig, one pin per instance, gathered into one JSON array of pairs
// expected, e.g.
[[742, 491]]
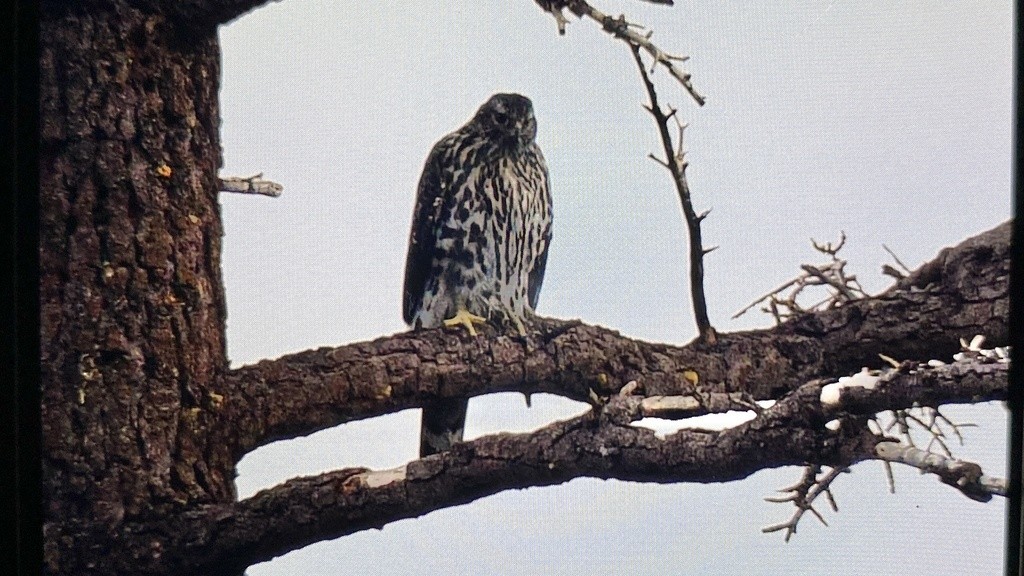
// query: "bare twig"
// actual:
[[844, 287], [932, 422], [802, 495], [966, 477], [627, 32], [828, 247], [905, 271], [675, 162], [251, 185], [830, 280]]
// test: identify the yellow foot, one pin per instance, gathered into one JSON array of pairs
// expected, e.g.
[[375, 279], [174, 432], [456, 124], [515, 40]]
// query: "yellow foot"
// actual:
[[465, 318], [519, 326]]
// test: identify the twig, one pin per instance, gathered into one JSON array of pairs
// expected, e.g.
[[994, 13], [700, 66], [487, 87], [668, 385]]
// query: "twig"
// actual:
[[675, 162], [833, 275], [251, 185], [966, 477], [906, 271], [838, 285], [802, 495], [828, 248], [765, 297], [929, 419], [627, 32]]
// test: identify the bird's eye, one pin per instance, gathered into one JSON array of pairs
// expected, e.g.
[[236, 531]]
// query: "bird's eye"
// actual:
[[501, 118]]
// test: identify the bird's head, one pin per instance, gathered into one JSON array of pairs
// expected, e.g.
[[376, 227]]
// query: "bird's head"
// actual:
[[508, 118]]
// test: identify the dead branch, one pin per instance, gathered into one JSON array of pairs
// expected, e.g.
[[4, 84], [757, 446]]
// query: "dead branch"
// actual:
[[844, 287], [927, 419], [967, 477], [675, 162], [626, 31], [890, 271], [301, 393], [803, 494], [600, 444], [251, 185]]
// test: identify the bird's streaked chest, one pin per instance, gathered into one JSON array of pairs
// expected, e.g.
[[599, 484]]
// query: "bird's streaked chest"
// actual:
[[493, 228]]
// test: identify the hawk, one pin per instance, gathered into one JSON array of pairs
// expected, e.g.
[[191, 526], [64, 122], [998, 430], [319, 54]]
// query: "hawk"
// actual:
[[479, 241]]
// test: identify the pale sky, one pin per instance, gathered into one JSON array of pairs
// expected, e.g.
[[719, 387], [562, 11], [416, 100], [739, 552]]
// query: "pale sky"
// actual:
[[887, 120]]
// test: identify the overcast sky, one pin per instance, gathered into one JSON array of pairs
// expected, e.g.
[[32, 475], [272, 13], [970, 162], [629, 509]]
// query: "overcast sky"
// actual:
[[887, 120]]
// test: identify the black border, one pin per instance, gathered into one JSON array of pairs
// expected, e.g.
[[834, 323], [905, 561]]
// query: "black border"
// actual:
[[19, 307], [1013, 556]]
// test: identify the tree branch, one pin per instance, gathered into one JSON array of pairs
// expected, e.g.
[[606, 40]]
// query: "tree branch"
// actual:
[[675, 162], [963, 292], [803, 494], [625, 31], [600, 444], [603, 443], [966, 477], [251, 185]]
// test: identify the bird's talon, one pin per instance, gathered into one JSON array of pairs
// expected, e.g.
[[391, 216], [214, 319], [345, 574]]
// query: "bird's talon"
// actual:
[[520, 327], [465, 318]]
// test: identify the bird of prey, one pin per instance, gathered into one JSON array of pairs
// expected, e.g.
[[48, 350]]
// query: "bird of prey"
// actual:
[[479, 241]]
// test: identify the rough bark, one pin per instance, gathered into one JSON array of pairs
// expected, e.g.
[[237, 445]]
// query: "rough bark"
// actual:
[[131, 296], [225, 538], [143, 422], [963, 292]]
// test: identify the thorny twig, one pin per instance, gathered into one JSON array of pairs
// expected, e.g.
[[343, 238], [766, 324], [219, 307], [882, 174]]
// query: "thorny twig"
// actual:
[[675, 162], [626, 31], [842, 287], [802, 495]]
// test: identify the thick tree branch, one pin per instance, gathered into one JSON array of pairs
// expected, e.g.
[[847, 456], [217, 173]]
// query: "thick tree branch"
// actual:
[[963, 382], [963, 292], [600, 444]]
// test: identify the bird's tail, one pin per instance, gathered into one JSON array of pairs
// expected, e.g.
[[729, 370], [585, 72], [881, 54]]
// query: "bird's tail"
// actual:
[[442, 425]]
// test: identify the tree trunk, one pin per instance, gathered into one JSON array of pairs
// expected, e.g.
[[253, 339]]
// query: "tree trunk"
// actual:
[[131, 295]]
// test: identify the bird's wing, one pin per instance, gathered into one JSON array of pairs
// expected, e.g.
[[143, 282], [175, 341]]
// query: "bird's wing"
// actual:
[[423, 236], [536, 278], [537, 275]]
